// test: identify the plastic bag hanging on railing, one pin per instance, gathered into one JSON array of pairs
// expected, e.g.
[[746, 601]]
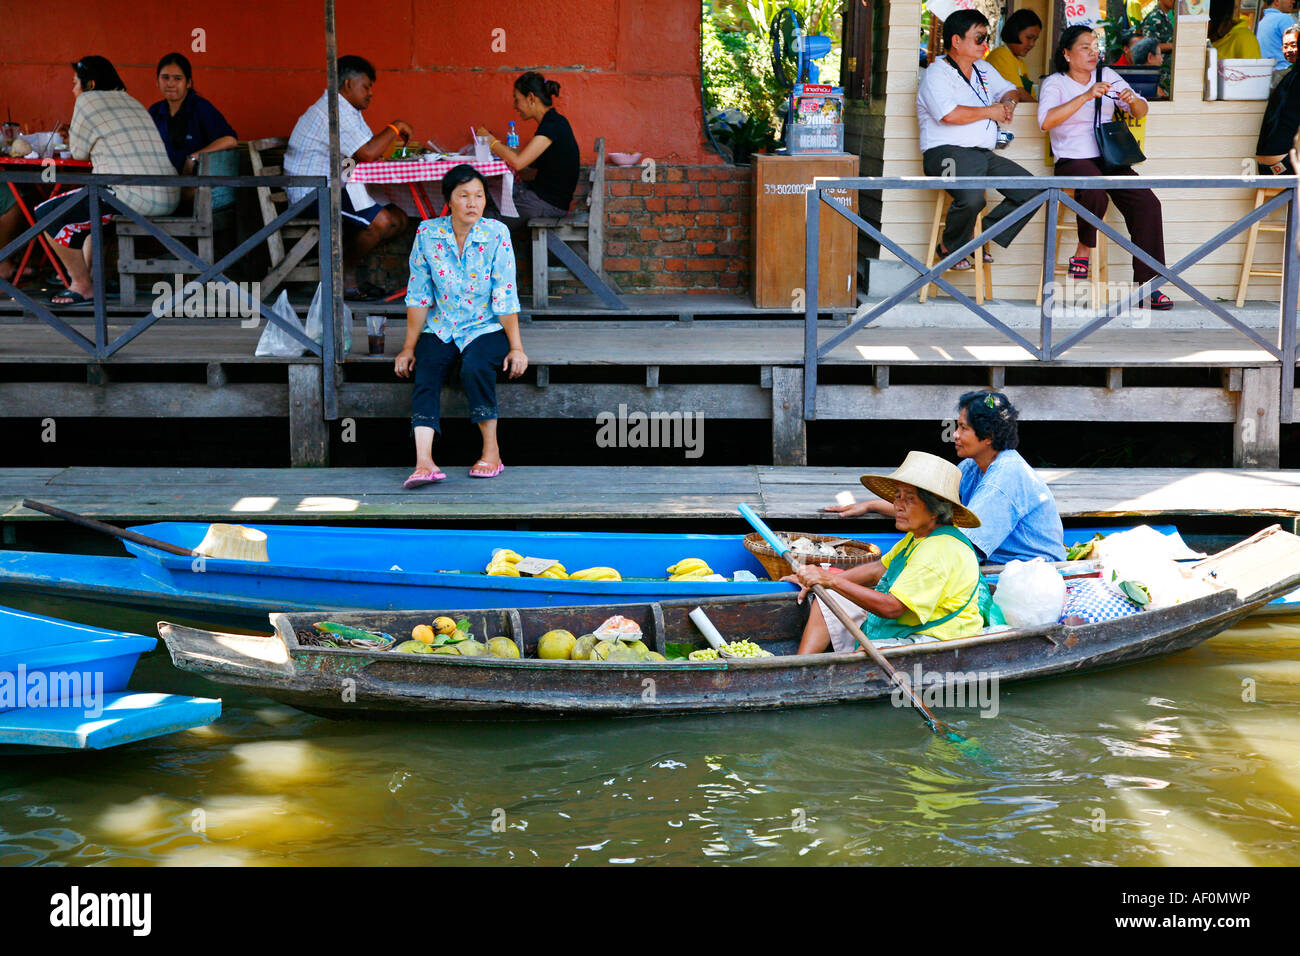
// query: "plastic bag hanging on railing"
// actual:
[[315, 322], [275, 341]]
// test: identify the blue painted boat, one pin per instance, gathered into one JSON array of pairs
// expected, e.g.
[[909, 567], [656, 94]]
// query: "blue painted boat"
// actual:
[[64, 686], [314, 567]]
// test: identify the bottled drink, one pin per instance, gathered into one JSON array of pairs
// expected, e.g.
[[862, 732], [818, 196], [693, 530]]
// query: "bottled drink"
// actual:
[[512, 138]]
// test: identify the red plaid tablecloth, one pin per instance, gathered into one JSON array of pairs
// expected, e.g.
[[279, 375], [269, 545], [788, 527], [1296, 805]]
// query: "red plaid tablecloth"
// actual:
[[417, 171]]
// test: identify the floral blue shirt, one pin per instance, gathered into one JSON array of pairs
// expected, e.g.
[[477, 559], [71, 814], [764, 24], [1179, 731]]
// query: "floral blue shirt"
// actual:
[[464, 295]]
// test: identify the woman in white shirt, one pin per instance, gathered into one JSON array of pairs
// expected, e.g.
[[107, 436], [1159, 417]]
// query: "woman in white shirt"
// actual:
[[1068, 113]]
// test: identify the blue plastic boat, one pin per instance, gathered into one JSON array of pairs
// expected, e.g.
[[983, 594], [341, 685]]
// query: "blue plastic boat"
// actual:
[[63, 686], [313, 567]]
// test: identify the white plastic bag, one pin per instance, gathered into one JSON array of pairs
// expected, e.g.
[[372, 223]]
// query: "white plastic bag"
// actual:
[[1146, 555], [314, 323], [274, 341], [1030, 593]]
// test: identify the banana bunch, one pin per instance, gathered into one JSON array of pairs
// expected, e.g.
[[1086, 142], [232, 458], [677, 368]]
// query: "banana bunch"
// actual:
[[503, 563], [596, 574], [555, 571], [689, 569]]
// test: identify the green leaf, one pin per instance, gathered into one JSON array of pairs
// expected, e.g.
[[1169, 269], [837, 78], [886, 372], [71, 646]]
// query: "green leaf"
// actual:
[[678, 652]]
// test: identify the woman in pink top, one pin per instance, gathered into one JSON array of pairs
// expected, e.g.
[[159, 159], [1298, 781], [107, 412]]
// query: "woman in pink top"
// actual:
[[1067, 112]]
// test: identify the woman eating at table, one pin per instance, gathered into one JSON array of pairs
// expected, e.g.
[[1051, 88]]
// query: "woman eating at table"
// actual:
[[462, 307], [552, 153], [1017, 511], [924, 589], [114, 131], [1068, 113], [189, 124]]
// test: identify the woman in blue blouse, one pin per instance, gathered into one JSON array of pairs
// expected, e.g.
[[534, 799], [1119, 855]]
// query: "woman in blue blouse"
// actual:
[[187, 123], [462, 305]]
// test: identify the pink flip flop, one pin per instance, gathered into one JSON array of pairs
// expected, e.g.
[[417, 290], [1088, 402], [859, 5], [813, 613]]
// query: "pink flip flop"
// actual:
[[491, 474], [421, 477]]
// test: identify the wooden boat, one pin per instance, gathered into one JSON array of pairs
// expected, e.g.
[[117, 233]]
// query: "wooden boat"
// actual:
[[318, 567], [63, 686], [345, 683]]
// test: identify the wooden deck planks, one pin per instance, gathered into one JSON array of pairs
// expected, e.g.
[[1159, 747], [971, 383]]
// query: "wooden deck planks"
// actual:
[[626, 494], [697, 344]]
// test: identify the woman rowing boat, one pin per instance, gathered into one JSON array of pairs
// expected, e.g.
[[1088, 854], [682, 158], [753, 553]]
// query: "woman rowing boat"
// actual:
[[926, 587]]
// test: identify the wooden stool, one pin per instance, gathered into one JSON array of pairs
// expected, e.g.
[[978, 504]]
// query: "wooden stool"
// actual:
[[1248, 261], [1097, 266], [983, 276]]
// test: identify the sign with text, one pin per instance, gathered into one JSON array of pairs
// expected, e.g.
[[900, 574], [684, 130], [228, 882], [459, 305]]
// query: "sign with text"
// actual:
[[1085, 12]]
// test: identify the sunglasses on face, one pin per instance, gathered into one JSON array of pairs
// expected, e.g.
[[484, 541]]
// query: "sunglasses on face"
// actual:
[[980, 39]]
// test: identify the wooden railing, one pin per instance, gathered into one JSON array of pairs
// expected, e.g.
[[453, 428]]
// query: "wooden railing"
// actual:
[[1053, 194]]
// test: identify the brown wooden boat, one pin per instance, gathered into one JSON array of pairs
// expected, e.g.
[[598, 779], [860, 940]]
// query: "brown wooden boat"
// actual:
[[343, 683]]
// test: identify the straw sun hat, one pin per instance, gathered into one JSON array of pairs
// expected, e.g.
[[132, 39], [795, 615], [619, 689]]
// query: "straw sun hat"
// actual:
[[929, 473]]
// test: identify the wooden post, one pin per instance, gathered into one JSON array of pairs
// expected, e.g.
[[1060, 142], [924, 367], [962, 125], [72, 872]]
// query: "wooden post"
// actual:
[[309, 444], [789, 432], [1256, 439]]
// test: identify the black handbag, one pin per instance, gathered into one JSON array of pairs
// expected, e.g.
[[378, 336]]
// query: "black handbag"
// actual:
[[1115, 142]]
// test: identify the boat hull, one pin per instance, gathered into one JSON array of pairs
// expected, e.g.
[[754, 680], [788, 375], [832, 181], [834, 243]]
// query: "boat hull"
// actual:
[[344, 683]]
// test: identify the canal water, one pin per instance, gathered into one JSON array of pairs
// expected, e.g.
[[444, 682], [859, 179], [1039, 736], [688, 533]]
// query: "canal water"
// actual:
[[1189, 760]]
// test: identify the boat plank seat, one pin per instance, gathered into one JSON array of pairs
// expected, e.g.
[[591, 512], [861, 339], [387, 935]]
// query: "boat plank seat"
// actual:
[[127, 716]]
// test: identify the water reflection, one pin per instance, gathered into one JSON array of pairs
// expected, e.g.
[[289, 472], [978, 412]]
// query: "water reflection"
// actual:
[[1164, 763]]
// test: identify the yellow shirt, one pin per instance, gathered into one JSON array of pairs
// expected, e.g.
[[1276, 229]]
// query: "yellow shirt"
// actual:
[[940, 575], [1239, 43], [1009, 65]]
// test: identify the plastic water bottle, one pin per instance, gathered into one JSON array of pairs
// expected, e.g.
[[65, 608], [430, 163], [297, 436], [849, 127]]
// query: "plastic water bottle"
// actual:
[[512, 138]]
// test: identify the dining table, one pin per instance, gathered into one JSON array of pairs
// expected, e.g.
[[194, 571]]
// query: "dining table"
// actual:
[[416, 173], [55, 189]]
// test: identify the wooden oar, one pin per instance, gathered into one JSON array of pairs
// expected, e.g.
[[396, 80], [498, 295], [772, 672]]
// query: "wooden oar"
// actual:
[[934, 723], [100, 526]]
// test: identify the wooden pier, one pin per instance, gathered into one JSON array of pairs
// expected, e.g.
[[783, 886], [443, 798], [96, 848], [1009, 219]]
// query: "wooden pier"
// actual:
[[684, 354], [701, 496]]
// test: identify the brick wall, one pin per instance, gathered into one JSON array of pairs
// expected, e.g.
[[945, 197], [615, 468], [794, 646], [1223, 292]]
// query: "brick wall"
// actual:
[[686, 232]]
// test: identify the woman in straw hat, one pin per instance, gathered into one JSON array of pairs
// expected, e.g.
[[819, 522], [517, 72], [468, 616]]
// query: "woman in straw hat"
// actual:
[[926, 587], [1017, 511]]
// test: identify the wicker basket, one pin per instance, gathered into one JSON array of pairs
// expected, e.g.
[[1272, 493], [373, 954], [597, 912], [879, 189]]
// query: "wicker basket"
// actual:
[[859, 552]]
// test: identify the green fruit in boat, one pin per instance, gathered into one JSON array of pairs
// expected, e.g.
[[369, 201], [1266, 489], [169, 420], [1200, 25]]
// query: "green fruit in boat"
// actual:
[[413, 647], [582, 650], [637, 646], [502, 647], [458, 635], [655, 656], [601, 651], [623, 654], [471, 648], [447, 649], [556, 645]]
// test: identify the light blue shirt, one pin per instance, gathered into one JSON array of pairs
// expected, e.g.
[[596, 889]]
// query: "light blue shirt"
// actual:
[[465, 293], [1017, 512], [1269, 33]]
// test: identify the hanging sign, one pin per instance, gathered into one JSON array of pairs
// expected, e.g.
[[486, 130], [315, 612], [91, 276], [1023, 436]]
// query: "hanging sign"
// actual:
[[1082, 12]]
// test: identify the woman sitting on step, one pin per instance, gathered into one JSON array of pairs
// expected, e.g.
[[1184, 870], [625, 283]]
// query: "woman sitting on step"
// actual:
[[925, 588], [462, 308]]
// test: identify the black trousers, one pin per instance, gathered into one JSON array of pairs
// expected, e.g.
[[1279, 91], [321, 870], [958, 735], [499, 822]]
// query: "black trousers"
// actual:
[[1139, 207], [969, 203], [479, 365]]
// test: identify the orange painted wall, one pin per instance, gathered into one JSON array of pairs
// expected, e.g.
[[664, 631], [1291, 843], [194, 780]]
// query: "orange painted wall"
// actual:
[[628, 69]]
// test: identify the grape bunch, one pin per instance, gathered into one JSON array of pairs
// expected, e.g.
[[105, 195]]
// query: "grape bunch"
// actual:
[[704, 654], [746, 649]]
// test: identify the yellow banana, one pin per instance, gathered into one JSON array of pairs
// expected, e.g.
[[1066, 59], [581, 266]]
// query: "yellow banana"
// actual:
[[596, 574], [690, 564], [506, 555], [691, 575], [555, 571], [503, 570]]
